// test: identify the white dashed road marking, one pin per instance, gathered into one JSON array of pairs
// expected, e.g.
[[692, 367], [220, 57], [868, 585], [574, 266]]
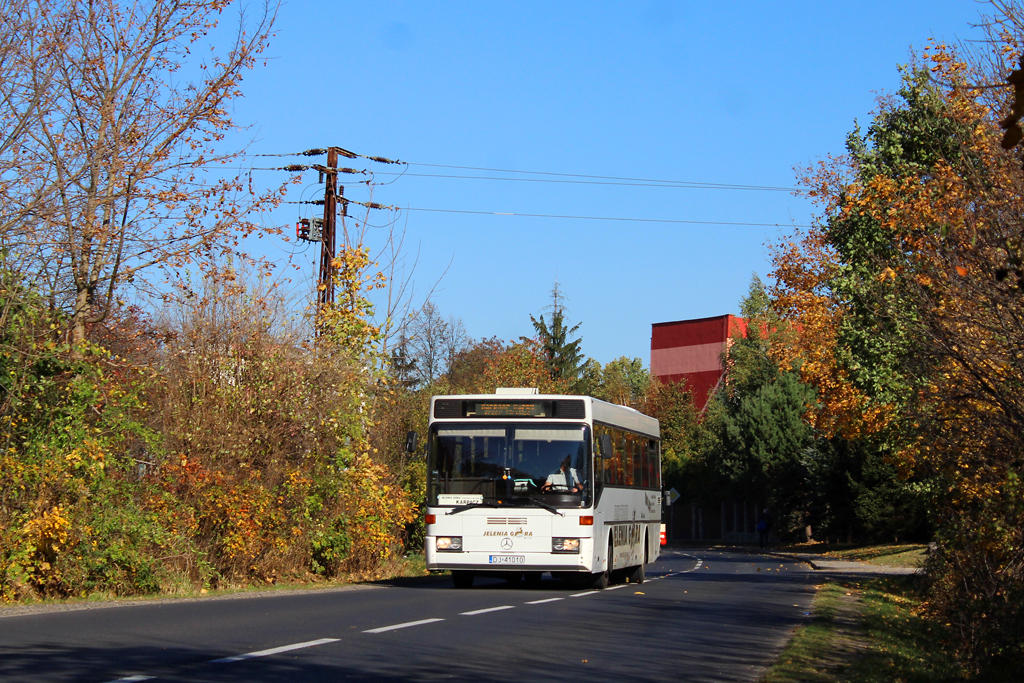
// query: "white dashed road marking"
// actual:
[[275, 650], [407, 624], [395, 627], [484, 611]]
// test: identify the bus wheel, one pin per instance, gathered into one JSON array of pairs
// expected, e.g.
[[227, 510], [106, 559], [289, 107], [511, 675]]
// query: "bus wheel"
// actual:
[[462, 579]]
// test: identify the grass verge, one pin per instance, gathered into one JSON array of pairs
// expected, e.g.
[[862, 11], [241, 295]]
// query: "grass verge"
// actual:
[[894, 555], [867, 633], [413, 564]]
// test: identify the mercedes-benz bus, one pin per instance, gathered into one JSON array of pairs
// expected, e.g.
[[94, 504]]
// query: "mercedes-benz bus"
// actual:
[[521, 483]]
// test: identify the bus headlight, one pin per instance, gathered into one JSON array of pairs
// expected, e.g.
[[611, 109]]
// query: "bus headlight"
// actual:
[[449, 544], [565, 545]]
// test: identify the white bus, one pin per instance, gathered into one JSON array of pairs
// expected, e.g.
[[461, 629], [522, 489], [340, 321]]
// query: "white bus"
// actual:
[[521, 483]]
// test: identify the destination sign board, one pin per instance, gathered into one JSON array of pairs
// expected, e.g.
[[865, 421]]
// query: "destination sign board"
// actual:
[[509, 409]]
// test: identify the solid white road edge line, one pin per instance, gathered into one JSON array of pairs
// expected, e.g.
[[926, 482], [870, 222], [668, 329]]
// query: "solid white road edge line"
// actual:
[[407, 624], [275, 650], [484, 611], [541, 602]]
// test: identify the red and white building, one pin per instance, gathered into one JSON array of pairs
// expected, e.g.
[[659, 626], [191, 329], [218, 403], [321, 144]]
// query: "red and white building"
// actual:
[[692, 350]]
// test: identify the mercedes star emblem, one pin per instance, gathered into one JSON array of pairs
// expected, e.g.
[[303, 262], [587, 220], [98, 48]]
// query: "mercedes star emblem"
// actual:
[[506, 544]]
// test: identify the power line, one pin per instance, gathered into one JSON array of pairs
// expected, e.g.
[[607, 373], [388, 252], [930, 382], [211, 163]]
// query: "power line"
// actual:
[[681, 183], [585, 179], [612, 218], [678, 185]]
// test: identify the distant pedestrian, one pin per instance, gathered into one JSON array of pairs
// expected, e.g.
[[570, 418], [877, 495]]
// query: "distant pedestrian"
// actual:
[[764, 527]]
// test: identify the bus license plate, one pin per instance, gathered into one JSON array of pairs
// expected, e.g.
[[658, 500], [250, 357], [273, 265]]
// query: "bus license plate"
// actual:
[[508, 559]]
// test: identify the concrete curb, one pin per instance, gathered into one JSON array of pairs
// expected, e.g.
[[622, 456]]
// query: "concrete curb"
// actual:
[[767, 553], [793, 556]]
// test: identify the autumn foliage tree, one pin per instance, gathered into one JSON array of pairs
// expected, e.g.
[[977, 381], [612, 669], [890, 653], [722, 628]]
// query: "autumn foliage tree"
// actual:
[[215, 445], [907, 306], [27, 65], [120, 146]]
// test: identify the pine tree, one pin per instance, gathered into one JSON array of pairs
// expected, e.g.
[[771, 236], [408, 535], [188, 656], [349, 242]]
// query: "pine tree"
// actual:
[[564, 359]]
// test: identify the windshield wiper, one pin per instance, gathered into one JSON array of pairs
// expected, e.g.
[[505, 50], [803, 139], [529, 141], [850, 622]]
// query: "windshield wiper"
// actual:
[[462, 508], [550, 508], [471, 506]]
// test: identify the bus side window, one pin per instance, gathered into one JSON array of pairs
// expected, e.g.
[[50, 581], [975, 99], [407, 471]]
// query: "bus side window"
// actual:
[[603, 442], [609, 459], [627, 459], [645, 464], [638, 460], [652, 461], [657, 463], [614, 464]]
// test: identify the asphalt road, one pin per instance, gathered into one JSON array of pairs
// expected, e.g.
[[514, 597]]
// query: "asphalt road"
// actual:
[[700, 616]]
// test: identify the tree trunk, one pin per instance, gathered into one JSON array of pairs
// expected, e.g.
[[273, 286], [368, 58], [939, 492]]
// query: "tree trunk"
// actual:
[[78, 318]]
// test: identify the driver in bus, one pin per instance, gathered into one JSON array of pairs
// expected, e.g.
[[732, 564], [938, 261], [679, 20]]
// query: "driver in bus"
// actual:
[[565, 479]]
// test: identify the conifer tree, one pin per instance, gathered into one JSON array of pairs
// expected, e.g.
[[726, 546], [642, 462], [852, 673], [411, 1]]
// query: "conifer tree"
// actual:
[[564, 359]]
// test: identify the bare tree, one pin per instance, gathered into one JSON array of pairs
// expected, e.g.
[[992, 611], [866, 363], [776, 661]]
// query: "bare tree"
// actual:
[[400, 306], [456, 342], [433, 346], [124, 139], [429, 332], [26, 73]]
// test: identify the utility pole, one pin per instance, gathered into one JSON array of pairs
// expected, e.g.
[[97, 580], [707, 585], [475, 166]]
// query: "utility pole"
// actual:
[[325, 286], [326, 231]]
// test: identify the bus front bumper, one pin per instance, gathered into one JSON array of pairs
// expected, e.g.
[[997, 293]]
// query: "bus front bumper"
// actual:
[[505, 562]]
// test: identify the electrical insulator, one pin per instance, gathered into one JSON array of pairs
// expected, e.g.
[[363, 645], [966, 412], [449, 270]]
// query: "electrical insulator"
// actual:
[[302, 229]]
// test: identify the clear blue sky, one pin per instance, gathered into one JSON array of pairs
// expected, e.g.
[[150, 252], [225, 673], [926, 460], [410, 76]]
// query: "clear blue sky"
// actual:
[[728, 93]]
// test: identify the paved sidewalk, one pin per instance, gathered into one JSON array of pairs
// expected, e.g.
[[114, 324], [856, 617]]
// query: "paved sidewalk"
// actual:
[[827, 564]]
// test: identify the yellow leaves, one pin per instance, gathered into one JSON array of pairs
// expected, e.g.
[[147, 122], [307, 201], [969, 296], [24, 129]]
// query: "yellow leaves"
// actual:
[[49, 528], [377, 510], [347, 322]]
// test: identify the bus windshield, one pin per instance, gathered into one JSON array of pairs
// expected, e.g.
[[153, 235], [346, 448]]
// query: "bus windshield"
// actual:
[[498, 464]]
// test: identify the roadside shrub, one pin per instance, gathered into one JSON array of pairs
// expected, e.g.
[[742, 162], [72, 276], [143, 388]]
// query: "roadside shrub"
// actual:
[[977, 580], [217, 451]]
